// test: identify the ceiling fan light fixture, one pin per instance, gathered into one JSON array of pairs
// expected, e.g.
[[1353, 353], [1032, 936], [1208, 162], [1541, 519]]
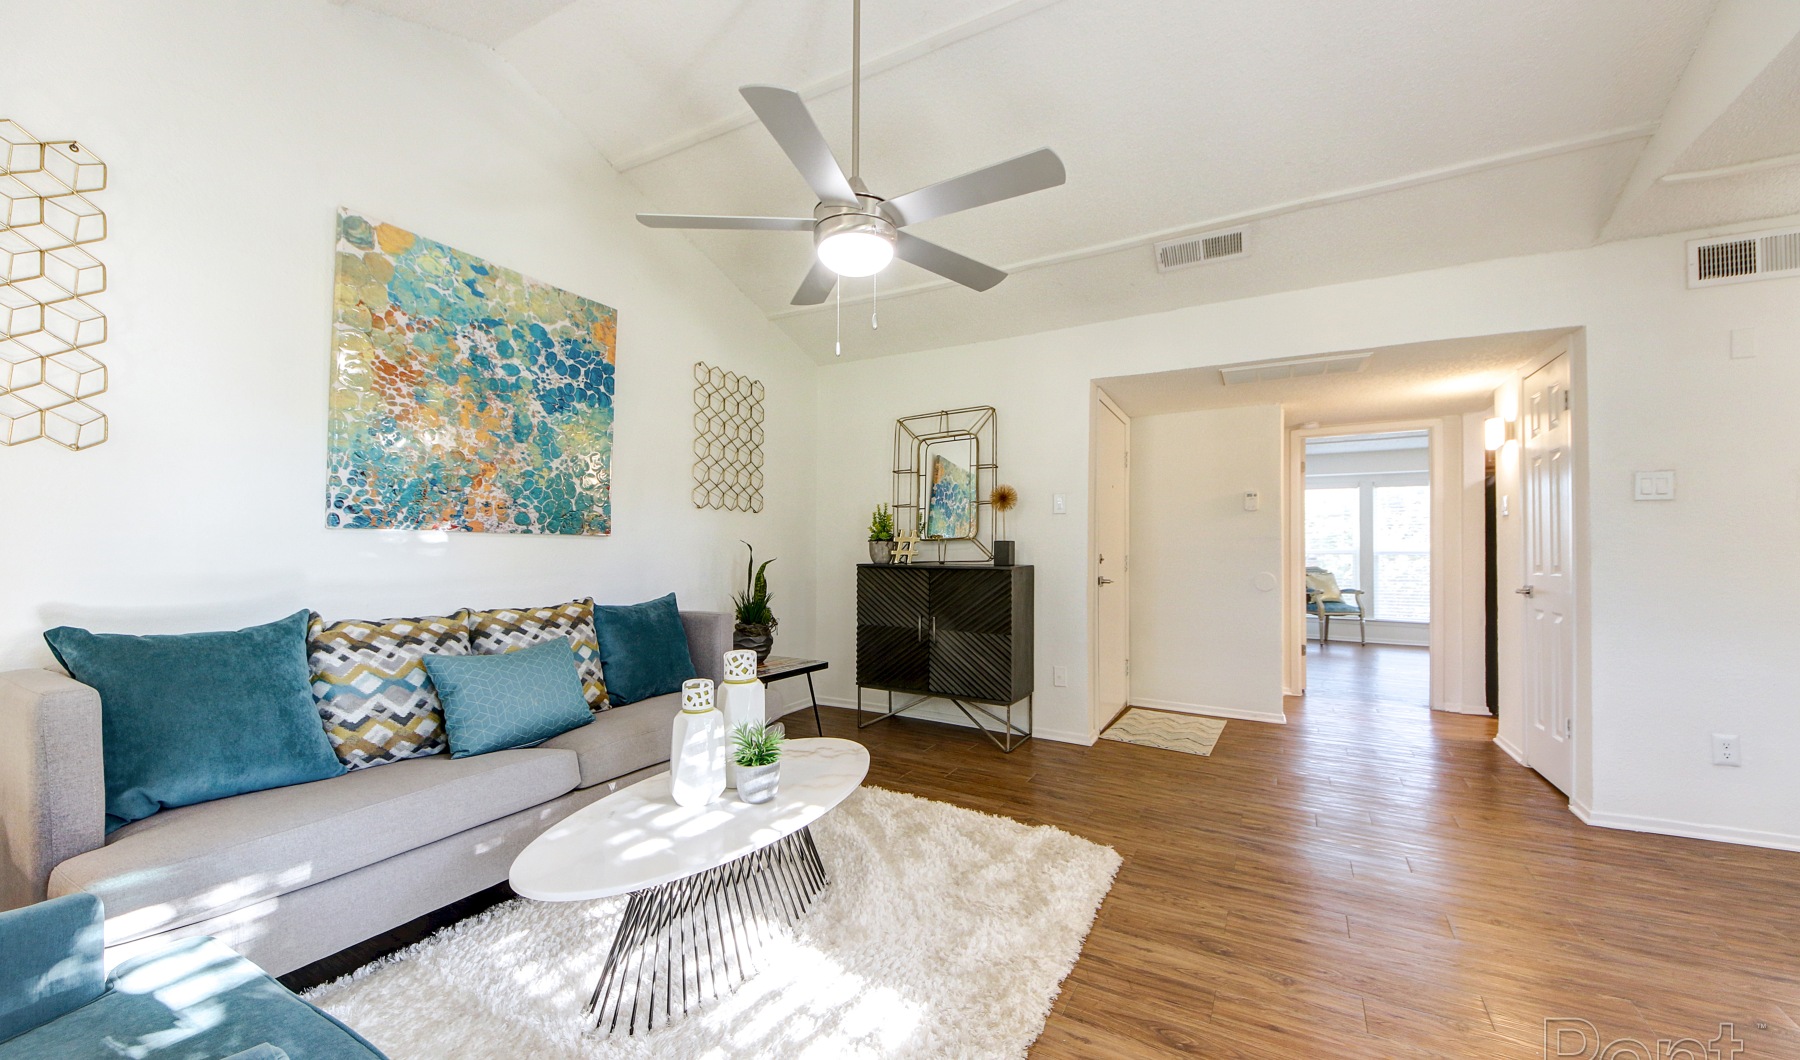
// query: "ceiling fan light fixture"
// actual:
[[856, 244]]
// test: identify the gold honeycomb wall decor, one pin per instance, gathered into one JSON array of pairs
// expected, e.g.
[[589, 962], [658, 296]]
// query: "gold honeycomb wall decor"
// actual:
[[48, 328], [728, 440]]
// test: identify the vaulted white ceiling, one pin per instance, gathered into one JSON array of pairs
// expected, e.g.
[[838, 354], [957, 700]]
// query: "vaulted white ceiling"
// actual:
[[1356, 139]]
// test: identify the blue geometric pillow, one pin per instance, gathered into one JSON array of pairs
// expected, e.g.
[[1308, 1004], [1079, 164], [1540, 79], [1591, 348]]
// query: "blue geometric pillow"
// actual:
[[521, 698]]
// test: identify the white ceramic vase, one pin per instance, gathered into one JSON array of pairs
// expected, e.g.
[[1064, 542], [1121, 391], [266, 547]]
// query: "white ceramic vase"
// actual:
[[697, 747], [742, 700]]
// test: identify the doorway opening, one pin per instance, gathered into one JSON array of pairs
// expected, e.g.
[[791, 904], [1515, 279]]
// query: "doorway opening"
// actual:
[[1367, 512]]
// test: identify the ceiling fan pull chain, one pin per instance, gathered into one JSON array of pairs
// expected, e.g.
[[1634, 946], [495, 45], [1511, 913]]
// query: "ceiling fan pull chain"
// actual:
[[840, 320], [875, 302]]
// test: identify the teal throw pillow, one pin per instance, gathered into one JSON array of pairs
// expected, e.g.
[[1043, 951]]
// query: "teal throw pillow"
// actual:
[[199, 716], [524, 697], [643, 649]]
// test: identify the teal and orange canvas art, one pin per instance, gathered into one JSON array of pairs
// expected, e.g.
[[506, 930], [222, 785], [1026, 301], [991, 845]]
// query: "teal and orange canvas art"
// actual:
[[464, 396]]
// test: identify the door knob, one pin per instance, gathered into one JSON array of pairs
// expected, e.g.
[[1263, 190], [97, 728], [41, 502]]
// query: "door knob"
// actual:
[[1527, 591], [1104, 580]]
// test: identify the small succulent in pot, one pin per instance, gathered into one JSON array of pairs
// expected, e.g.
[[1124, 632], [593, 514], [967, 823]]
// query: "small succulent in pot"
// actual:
[[756, 621], [757, 751], [881, 535]]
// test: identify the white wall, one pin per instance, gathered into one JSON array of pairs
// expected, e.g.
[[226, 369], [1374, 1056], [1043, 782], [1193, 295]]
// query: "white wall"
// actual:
[[1683, 638], [1205, 635], [233, 132]]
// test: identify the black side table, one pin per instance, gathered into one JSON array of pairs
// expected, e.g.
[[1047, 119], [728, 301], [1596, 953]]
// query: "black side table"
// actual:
[[781, 667]]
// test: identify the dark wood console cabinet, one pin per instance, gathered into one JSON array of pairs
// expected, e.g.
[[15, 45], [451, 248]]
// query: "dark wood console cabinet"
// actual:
[[960, 633]]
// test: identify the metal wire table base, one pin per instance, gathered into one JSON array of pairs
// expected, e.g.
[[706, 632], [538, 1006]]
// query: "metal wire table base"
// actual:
[[695, 939]]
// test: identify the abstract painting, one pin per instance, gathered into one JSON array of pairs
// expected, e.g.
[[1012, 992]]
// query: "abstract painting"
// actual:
[[950, 512], [464, 396]]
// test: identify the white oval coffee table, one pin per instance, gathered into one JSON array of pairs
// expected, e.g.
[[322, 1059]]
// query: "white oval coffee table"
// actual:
[[708, 884]]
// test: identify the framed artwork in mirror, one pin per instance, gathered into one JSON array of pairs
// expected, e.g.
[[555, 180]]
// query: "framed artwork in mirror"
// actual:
[[944, 468]]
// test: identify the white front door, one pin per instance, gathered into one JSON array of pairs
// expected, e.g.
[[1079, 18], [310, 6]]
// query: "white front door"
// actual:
[[1549, 589], [1107, 566]]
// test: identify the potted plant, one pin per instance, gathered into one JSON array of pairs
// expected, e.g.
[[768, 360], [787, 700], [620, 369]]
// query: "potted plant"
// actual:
[[756, 749], [881, 535], [755, 621]]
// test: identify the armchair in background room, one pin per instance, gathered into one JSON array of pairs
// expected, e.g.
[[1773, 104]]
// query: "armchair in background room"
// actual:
[[1324, 598]]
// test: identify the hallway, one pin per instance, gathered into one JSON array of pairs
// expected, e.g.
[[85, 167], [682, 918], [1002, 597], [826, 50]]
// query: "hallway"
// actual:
[[1376, 675]]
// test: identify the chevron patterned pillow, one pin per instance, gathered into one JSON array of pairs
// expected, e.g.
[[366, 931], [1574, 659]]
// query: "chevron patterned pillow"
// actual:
[[369, 681], [505, 629]]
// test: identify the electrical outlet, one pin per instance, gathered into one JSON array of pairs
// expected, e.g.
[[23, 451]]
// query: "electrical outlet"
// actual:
[[1727, 751], [1059, 676]]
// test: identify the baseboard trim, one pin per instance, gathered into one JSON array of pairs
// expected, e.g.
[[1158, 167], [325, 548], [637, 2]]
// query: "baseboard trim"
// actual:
[[1232, 713], [1628, 822], [1514, 753], [1464, 708]]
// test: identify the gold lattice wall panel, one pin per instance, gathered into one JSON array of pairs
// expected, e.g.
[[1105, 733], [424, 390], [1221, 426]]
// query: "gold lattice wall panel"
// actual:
[[48, 326], [728, 439]]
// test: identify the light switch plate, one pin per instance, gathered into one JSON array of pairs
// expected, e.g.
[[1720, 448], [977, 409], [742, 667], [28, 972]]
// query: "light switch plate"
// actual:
[[1059, 504], [1653, 486]]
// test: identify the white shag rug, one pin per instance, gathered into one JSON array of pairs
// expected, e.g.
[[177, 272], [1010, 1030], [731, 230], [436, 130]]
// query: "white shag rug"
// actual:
[[944, 933]]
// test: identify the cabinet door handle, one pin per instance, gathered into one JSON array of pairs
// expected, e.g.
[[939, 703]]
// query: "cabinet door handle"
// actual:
[[919, 629], [933, 627]]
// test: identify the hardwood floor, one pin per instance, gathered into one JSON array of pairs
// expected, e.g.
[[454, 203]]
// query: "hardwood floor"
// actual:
[[1375, 675], [1369, 881]]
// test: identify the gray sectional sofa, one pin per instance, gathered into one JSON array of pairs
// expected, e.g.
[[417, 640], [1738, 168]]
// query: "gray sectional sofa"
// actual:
[[293, 874]]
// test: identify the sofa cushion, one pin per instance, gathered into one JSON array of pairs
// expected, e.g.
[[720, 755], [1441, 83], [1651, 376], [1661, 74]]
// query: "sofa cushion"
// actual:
[[369, 680], [194, 999], [196, 862], [522, 698], [644, 648], [622, 740], [53, 963], [509, 629], [200, 716]]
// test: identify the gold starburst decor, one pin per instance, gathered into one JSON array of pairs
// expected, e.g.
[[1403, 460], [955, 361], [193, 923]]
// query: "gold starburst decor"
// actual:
[[1002, 498], [47, 327]]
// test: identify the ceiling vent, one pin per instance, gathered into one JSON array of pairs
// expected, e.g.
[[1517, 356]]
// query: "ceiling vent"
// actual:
[[1298, 367], [1202, 249], [1735, 259]]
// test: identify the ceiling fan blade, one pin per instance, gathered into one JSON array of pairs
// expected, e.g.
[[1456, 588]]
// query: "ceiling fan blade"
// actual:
[[687, 220], [785, 115], [946, 263], [818, 283], [1016, 176]]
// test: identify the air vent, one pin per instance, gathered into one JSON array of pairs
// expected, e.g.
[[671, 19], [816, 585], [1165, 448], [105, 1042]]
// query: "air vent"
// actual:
[[1735, 259], [1201, 249], [1297, 367]]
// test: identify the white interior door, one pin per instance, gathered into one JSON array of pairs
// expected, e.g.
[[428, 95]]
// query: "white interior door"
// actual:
[[1549, 589], [1108, 565]]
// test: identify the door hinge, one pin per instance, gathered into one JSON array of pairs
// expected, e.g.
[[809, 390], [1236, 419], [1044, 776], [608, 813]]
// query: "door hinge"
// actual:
[[1127, 458], [1568, 726], [1566, 400], [1127, 667]]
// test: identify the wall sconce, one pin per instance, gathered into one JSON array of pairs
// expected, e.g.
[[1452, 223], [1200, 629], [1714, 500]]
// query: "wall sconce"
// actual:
[[1497, 432]]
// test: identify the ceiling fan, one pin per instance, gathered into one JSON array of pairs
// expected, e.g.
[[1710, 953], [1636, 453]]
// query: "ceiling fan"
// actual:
[[857, 233]]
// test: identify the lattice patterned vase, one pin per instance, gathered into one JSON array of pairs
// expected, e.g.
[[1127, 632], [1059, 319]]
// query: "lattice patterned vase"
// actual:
[[697, 747], [742, 699]]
